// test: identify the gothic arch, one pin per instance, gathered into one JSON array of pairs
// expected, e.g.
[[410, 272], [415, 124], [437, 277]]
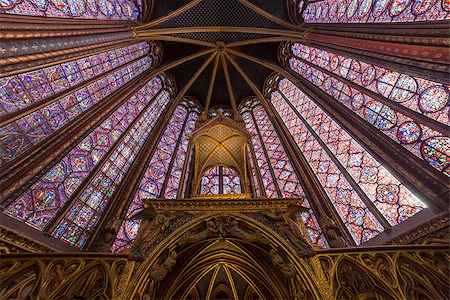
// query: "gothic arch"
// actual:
[[304, 267]]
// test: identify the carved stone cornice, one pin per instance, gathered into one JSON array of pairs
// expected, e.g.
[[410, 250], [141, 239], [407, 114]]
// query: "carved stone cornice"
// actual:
[[223, 204], [422, 231], [18, 241]]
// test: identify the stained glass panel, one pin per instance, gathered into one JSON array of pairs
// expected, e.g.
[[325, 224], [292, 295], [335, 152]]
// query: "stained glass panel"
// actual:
[[391, 197], [404, 130], [220, 180], [210, 182], [77, 9], [21, 135], [359, 220], [375, 11], [151, 185], [43, 199], [95, 197], [417, 94], [271, 157], [20, 91]]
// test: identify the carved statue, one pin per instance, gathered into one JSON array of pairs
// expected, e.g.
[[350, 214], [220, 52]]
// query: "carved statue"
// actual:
[[159, 272], [152, 224], [287, 269], [103, 244], [331, 233], [290, 227], [212, 229], [221, 227], [234, 230], [105, 240]]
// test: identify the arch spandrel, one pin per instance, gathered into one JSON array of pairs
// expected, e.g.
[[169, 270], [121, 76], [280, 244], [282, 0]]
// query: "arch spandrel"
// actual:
[[250, 240]]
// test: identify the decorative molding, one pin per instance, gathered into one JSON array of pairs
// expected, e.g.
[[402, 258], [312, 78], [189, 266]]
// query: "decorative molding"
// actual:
[[222, 204], [9, 237], [419, 234]]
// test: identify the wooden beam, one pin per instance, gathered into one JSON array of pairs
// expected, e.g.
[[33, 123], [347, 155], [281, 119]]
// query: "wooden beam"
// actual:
[[171, 65], [170, 38], [163, 31], [229, 87], [274, 39], [211, 85], [169, 15]]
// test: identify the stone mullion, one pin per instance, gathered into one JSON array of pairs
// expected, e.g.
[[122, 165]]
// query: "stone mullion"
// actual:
[[269, 163], [188, 170], [257, 173], [172, 159], [426, 70], [220, 180], [343, 170], [44, 63], [319, 200], [11, 117], [410, 170], [416, 116], [28, 171], [51, 225]]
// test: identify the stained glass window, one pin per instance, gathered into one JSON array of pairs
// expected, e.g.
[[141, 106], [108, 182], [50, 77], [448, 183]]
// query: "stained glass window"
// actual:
[[53, 113], [210, 182], [20, 91], [77, 9], [391, 198], [417, 94], [428, 98], [152, 184], [47, 195], [85, 213], [277, 173], [376, 11], [220, 110], [220, 180]]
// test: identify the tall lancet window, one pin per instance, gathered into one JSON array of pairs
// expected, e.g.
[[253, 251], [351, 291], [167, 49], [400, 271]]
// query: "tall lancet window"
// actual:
[[77, 9], [36, 104], [109, 148], [399, 104], [162, 175], [276, 171], [360, 188], [375, 11], [220, 180]]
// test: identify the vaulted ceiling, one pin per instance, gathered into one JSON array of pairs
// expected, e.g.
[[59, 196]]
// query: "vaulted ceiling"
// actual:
[[186, 28]]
